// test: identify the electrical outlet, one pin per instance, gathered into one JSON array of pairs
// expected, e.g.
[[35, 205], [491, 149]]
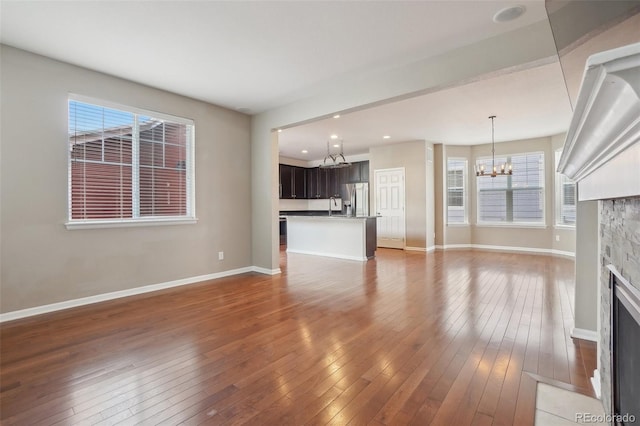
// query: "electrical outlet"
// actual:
[[220, 255], [557, 237]]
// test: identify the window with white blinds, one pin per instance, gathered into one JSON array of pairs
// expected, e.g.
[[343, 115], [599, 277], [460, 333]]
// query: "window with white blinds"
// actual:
[[517, 198], [565, 198], [456, 191], [128, 164]]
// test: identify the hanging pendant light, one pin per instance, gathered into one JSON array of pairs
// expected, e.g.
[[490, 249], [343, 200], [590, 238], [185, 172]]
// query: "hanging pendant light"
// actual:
[[505, 168], [332, 160]]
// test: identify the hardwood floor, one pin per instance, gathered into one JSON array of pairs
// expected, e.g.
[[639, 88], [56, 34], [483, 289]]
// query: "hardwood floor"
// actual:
[[408, 338]]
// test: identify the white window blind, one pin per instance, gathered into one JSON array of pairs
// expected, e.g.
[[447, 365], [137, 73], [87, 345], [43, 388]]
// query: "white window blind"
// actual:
[[456, 190], [128, 165], [518, 198], [565, 198]]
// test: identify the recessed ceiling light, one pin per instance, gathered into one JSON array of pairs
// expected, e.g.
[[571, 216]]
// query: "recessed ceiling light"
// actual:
[[336, 145], [304, 151], [336, 116], [386, 137], [279, 130], [509, 14], [334, 136]]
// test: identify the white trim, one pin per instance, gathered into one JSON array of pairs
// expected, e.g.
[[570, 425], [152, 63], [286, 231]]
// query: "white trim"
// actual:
[[465, 190], [581, 333], [23, 313], [456, 246], [422, 249], [563, 253], [98, 224], [266, 271], [506, 248], [135, 167], [603, 123], [361, 259], [595, 383], [510, 248], [565, 227]]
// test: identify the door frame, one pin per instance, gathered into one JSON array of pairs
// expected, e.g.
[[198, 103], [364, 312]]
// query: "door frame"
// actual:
[[404, 198]]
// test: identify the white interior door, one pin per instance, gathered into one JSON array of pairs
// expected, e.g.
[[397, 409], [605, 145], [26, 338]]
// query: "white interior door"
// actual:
[[390, 207]]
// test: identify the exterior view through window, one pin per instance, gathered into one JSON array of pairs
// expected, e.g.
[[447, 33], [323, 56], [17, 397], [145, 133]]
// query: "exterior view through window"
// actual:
[[128, 165], [517, 198], [456, 190]]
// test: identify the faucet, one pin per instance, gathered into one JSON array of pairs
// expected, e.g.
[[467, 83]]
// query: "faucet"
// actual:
[[334, 203]]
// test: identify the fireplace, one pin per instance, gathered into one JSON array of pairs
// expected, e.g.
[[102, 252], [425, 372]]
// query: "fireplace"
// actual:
[[625, 350]]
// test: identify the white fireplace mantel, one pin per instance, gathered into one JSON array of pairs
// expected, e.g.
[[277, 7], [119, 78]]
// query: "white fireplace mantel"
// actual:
[[602, 149]]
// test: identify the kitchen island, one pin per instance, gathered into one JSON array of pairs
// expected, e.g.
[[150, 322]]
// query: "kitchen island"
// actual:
[[344, 237]]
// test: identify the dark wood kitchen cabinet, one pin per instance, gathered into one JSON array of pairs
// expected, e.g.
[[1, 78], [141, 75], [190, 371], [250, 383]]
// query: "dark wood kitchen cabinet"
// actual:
[[320, 182], [336, 179], [316, 182], [292, 182]]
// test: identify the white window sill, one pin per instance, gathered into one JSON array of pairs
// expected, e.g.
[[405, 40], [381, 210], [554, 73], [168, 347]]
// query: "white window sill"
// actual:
[[96, 224], [566, 227], [512, 225], [457, 225]]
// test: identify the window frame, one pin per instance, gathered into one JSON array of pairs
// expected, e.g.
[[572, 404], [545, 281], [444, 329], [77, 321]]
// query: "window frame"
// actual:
[[509, 188], [465, 192], [560, 181], [136, 219]]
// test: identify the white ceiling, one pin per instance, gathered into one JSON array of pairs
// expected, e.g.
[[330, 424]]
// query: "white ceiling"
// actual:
[[527, 104], [255, 56]]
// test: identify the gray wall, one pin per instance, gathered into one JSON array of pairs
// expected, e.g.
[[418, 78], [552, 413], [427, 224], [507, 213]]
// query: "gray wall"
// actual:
[[542, 238], [411, 156], [43, 262]]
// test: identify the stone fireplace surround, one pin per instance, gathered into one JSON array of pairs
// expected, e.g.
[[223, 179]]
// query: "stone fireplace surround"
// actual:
[[620, 247]]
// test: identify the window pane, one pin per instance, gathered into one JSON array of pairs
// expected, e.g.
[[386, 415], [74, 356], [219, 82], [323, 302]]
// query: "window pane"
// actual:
[[492, 205], [512, 198], [568, 202], [528, 171], [456, 173], [100, 140], [105, 176], [528, 205], [163, 182]]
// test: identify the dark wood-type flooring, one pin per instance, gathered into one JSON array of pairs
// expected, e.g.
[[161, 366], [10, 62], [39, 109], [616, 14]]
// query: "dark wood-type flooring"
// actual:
[[445, 338]]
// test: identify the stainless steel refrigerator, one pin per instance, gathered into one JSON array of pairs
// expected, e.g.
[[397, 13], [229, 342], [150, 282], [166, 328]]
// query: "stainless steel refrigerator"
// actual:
[[357, 202]]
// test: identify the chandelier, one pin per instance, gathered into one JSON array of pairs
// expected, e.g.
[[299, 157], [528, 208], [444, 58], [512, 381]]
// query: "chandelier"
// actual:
[[505, 168], [335, 158]]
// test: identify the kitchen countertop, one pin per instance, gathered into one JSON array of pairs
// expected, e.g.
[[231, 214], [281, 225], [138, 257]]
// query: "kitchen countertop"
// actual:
[[325, 216]]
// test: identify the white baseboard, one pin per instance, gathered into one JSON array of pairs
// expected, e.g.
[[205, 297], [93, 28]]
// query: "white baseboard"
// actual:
[[266, 271], [337, 256], [595, 382], [422, 249], [563, 253], [581, 333], [23, 313], [456, 246], [507, 249], [431, 249]]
